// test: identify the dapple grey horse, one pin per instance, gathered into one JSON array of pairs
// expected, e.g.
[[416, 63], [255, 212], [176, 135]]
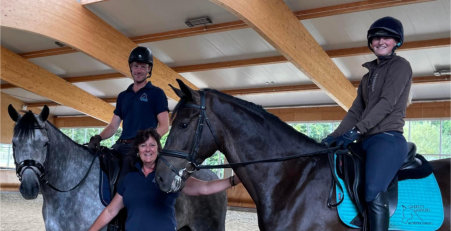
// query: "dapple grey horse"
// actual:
[[67, 175]]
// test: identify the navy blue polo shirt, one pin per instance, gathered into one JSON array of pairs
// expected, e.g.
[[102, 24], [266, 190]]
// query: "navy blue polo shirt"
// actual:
[[148, 208], [139, 110]]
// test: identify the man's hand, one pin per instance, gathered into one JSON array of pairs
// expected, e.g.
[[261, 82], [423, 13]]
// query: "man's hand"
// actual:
[[94, 142], [349, 137]]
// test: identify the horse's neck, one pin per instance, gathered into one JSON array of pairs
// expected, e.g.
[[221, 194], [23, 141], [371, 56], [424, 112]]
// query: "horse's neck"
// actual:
[[64, 154], [264, 142], [257, 140]]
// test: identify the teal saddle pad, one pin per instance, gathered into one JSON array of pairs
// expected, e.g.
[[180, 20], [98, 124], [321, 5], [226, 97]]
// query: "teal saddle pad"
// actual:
[[419, 207]]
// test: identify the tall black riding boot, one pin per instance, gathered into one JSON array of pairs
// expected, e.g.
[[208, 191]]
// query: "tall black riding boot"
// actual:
[[377, 212]]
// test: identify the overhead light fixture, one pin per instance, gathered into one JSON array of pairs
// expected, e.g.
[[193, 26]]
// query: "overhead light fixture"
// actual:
[[60, 44], [198, 21], [442, 72]]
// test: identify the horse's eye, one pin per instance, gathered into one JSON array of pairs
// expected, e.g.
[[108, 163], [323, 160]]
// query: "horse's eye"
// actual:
[[183, 125]]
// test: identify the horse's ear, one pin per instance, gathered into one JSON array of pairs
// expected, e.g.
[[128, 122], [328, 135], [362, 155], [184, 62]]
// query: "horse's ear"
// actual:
[[177, 91], [185, 90], [44, 113], [13, 113]]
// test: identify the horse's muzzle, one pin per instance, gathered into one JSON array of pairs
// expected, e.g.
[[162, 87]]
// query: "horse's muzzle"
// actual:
[[29, 186]]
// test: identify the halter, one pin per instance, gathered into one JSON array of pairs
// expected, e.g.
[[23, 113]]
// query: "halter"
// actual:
[[192, 155]]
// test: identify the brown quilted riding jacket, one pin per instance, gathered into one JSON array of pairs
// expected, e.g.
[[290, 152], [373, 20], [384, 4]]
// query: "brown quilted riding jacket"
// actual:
[[382, 98]]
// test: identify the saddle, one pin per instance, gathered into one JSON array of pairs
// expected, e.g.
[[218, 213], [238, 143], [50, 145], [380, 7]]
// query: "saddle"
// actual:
[[350, 168], [110, 165]]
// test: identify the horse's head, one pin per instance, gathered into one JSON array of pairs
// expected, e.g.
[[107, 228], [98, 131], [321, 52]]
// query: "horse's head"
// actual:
[[191, 139], [30, 142]]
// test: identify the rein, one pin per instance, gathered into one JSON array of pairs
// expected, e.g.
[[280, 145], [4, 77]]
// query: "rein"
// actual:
[[79, 183], [240, 164]]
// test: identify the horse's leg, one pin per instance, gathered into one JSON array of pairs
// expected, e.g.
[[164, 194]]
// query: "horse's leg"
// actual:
[[202, 213], [441, 170]]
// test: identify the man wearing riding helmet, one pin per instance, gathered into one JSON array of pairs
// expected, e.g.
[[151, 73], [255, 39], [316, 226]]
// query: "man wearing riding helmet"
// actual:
[[376, 117], [141, 106]]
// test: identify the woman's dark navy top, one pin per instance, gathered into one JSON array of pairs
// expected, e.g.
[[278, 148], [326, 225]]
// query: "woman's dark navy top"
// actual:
[[148, 208]]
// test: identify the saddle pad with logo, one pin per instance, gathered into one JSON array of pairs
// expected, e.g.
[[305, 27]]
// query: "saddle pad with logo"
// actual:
[[419, 207]]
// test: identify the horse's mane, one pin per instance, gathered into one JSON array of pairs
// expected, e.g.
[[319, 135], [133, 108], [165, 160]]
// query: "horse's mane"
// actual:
[[252, 108]]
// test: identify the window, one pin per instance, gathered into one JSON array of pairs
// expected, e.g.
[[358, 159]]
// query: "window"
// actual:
[[432, 138]]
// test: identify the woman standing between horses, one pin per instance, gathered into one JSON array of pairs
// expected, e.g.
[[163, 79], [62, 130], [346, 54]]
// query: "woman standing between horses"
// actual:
[[149, 208], [376, 117]]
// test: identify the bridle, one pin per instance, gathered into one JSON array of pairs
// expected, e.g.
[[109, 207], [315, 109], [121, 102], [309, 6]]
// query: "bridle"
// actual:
[[40, 171], [191, 157]]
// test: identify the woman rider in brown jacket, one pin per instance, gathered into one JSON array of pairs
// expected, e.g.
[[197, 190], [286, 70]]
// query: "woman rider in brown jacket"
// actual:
[[376, 117]]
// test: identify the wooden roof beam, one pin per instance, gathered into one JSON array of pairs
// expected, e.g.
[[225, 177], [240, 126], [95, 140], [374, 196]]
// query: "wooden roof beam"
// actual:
[[423, 44], [245, 91], [337, 53], [301, 15], [29, 76], [307, 87], [417, 110], [274, 21]]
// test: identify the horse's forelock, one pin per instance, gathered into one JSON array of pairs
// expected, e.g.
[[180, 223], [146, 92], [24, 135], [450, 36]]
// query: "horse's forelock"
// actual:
[[26, 125]]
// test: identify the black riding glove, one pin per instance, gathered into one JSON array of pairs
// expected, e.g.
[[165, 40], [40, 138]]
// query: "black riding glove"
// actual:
[[329, 141], [348, 137], [94, 142]]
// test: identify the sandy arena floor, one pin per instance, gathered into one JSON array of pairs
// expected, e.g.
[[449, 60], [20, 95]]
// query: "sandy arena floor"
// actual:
[[18, 214]]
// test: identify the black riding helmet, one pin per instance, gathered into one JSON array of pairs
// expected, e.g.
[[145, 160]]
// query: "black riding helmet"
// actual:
[[386, 27], [141, 55]]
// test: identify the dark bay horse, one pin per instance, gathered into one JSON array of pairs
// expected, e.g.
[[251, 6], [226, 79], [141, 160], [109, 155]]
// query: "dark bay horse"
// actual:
[[289, 195], [48, 162]]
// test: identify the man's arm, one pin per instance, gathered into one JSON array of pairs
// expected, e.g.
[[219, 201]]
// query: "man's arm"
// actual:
[[163, 123], [111, 128]]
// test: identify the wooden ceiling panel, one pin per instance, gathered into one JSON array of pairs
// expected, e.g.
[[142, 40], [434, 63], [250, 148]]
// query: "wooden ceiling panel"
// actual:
[[69, 22]]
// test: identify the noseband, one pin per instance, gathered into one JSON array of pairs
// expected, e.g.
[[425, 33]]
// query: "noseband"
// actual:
[[37, 168], [192, 155]]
